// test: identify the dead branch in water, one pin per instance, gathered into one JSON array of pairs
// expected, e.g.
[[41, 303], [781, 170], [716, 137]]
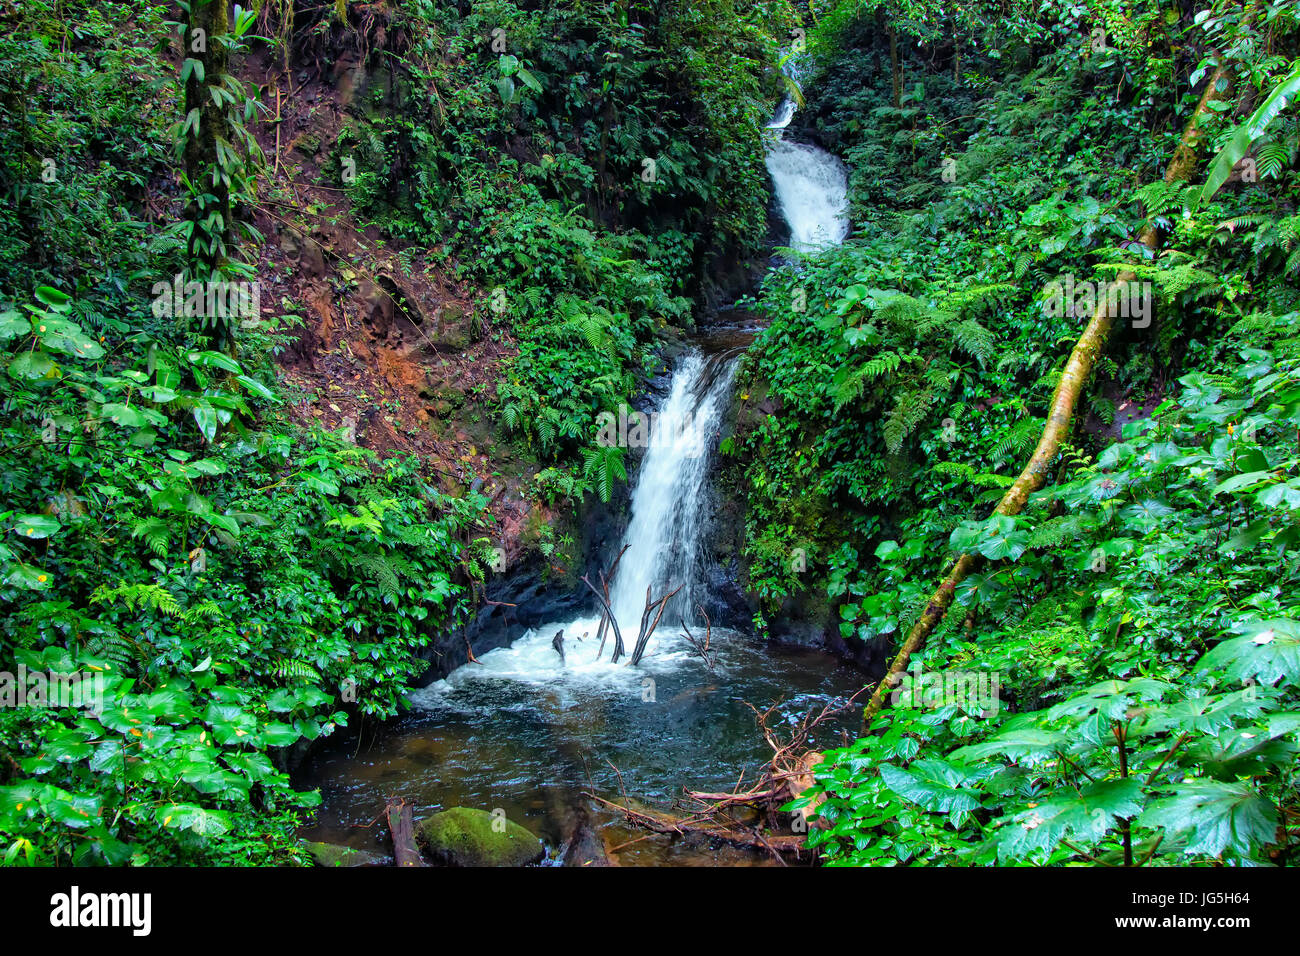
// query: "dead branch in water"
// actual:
[[750, 818], [643, 637], [609, 615], [787, 774], [704, 824], [602, 632], [701, 649], [607, 620]]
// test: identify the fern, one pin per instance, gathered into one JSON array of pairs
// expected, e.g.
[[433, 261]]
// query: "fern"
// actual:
[[1055, 532], [290, 669], [907, 414], [121, 651], [604, 465], [975, 340], [156, 534], [1018, 439], [139, 597], [1158, 197], [968, 473], [886, 363]]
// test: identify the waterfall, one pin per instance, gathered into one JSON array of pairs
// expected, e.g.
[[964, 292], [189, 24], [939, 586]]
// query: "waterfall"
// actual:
[[811, 185], [663, 535], [666, 528], [784, 113], [812, 191]]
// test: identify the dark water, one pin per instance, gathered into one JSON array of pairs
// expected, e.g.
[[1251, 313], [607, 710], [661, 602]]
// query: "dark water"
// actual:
[[523, 734]]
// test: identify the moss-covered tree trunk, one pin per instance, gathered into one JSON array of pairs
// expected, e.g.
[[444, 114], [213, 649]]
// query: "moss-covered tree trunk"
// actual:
[[209, 207]]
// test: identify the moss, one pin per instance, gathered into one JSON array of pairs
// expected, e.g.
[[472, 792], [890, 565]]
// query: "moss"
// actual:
[[463, 836]]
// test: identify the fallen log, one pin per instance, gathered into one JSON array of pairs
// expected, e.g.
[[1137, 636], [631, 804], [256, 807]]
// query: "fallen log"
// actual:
[[401, 826], [704, 824]]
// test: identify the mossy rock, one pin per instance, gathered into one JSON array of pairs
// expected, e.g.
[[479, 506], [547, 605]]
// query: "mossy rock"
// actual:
[[330, 854], [463, 836]]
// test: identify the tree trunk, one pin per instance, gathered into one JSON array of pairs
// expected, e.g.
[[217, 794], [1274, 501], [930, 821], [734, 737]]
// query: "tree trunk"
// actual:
[[1082, 359], [402, 827], [207, 22], [896, 68]]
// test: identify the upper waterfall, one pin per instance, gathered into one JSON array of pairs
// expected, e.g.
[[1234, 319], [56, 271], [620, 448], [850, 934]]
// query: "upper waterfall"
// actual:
[[811, 186]]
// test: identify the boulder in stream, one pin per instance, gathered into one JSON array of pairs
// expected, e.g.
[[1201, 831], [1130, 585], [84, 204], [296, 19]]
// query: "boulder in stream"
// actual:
[[463, 836]]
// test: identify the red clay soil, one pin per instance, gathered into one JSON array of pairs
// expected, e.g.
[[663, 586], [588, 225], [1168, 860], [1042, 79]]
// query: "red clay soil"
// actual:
[[392, 348]]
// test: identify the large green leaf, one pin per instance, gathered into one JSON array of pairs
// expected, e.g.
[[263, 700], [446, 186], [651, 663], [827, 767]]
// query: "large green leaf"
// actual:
[[1084, 817], [1215, 817], [933, 784]]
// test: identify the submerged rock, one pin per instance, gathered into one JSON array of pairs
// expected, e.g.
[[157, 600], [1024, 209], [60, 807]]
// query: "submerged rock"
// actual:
[[586, 848], [463, 836]]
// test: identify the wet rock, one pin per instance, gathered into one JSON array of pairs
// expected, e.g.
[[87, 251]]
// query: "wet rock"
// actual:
[[377, 303], [308, 145], [724, 600], [586, 848], [464, 836], [450, 331], [312, 259]]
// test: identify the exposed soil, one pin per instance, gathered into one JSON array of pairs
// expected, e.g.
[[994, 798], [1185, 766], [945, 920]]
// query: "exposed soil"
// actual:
[[391, 347]]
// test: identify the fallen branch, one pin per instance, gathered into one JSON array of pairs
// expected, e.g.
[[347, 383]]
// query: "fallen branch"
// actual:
[[604, 603], [643, 638], [701, 649], [602, 632], [667, 823], [401, 826]]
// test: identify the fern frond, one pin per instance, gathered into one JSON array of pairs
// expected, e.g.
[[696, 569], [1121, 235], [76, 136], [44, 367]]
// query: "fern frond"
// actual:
[[156, 534], [139, 597]]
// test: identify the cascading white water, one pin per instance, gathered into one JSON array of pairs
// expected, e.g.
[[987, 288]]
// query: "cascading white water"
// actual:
[[812, 190], [784, 113], [663, 544], [811, 185], [663, 535]]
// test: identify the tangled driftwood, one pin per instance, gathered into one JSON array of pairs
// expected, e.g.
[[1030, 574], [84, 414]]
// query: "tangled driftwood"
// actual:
[[752, 817]]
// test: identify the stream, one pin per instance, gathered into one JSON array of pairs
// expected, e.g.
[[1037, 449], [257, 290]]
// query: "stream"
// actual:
[[532, 733]]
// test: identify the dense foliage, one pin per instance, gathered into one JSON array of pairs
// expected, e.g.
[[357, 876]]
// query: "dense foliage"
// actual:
[[237, 585], [589, 164], [1135, 625], [1117, 683]]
